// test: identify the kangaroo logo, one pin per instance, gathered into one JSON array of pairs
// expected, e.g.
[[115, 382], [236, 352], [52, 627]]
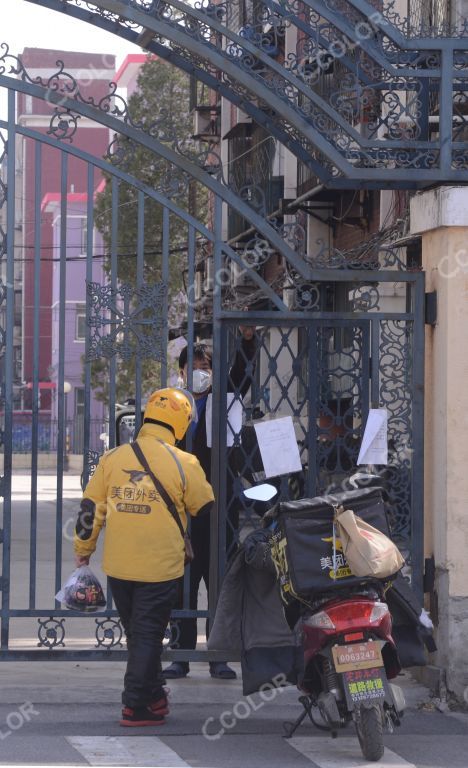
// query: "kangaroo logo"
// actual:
[[338, 544], [136, 475]]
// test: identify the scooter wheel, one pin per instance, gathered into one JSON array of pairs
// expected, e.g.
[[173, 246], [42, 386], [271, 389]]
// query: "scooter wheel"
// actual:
[[369, 729]]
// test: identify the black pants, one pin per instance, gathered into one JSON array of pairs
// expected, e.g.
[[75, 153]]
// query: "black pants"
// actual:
[[144, 609], [185, 630], [186, 636]]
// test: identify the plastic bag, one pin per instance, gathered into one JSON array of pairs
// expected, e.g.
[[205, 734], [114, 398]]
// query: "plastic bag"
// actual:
[[368, 551], [82, 591]]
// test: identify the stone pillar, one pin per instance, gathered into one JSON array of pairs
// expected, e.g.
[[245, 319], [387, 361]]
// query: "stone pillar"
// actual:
[[441, 217]]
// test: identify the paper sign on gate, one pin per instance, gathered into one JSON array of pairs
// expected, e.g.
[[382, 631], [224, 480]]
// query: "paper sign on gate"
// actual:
[[234, 413], [278, 446], [374, 447]]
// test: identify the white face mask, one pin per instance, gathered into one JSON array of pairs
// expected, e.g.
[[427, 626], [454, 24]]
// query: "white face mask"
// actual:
[[201, 381]]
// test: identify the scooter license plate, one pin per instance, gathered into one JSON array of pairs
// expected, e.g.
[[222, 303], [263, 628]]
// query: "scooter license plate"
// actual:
[[357, 656]]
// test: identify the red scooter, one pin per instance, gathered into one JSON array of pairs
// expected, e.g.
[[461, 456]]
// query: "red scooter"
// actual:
[[349, 657]]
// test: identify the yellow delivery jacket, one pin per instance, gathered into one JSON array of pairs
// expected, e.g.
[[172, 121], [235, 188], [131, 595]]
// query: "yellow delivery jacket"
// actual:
[[142, 540]]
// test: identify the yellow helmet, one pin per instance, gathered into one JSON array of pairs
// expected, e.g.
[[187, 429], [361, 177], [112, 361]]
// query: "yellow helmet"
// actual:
[[171, 407]]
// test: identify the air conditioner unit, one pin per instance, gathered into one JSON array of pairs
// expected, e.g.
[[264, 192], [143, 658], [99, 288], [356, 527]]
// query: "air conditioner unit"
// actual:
[[240, 278], [205, 123], [241, 117]]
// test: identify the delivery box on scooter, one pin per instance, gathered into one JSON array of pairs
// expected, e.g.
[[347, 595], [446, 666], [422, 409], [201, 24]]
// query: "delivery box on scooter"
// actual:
[[308, 555]]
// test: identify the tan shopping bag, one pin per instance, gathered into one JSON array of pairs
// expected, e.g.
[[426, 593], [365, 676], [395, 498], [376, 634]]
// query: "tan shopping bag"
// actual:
[[368, 551]]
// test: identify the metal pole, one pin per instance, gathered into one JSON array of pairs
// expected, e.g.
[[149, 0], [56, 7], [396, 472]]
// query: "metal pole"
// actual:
[[8, 383], [35, 382], [87, 365], [61, 369], [215, 555]]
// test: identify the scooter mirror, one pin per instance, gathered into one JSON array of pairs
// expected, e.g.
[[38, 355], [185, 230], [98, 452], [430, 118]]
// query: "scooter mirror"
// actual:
[[264, 492], [365, 480]]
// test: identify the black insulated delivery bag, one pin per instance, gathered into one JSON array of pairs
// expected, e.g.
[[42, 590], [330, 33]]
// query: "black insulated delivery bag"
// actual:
[[302, 545]]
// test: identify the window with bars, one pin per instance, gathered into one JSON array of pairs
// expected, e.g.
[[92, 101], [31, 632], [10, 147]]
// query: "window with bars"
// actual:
[[251, 153]]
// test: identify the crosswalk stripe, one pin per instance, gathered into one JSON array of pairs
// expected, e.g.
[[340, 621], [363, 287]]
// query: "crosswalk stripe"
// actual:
[[127, 750], [343, 752]]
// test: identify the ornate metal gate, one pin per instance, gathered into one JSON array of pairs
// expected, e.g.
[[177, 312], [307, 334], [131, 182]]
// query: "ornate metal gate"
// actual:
[[363, 96], [336, 333], [325, 366], [78, 295]]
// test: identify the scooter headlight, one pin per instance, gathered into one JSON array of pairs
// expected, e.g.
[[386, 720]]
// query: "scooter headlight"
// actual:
[[320, 620], [378, 611]]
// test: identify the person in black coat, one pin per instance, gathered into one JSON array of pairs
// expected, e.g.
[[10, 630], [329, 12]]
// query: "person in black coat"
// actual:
[[240, 379]]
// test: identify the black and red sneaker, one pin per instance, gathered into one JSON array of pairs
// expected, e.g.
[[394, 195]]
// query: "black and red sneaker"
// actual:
[[140, 716], [160, 706]]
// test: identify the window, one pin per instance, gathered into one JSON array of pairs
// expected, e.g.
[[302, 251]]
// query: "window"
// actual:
[[80, 326]]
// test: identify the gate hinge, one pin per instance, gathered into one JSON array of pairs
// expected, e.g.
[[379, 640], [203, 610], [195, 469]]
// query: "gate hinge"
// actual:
[[430, 308]]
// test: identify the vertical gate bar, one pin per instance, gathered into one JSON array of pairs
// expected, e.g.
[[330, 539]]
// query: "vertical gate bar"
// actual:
[[165, 282], [62, 426], [115, 190], [190, 316], [215, 554], [366, 372], [220, 405], [423, 115], [375, 370], [139, 282], [191, 292], [89, 279], [190, 343], [8, 357], [311, 476], [113, 278], [446, 110], [417, 454], [35, 387]]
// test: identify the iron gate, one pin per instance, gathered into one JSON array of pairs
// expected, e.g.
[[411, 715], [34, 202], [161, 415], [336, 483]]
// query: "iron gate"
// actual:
[[334, 336], [363, 95], [325, 370]]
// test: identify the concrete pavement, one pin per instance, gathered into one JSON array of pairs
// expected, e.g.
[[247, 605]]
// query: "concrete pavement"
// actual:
[[66, 713]]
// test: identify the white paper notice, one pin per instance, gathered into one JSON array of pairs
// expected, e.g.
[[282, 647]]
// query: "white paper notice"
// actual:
[[374, 447], [278, 446], [234, 425]]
